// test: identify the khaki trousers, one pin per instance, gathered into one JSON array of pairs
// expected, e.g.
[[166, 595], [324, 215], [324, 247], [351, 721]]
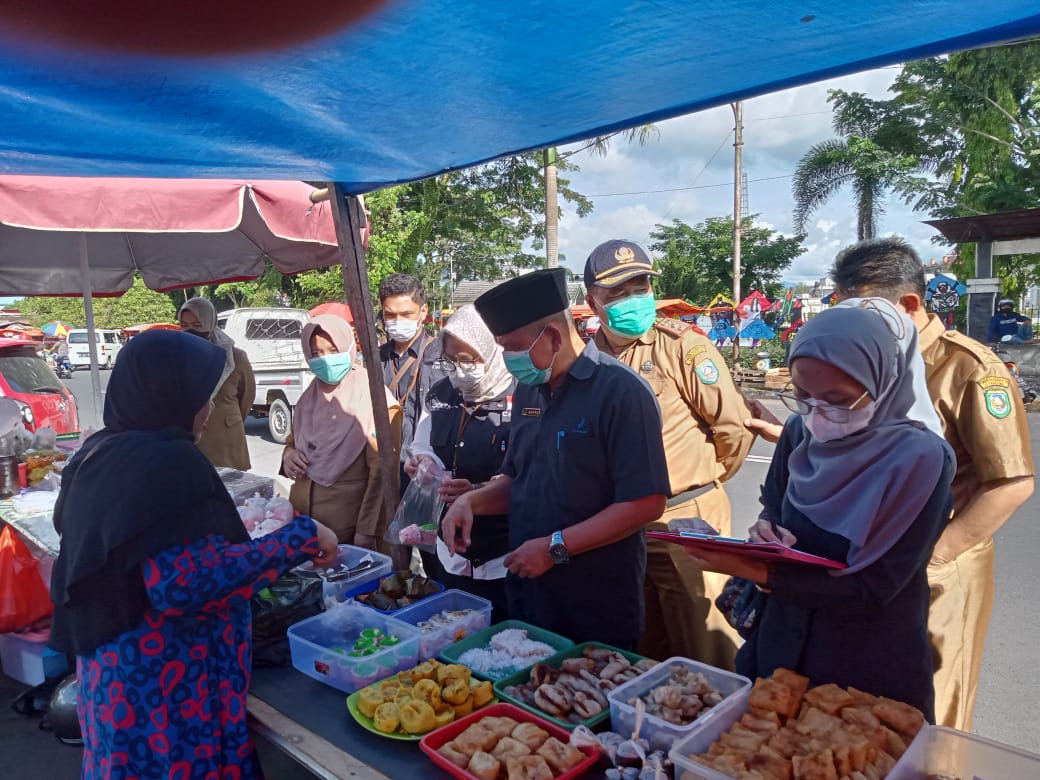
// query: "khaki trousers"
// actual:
[[961, 605], [681, 617]]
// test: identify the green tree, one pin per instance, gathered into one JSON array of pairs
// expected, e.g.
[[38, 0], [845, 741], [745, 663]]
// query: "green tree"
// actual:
[[469, 224], [972, 122], [697, 261], [863, 158], [136, 306], [975, 118]]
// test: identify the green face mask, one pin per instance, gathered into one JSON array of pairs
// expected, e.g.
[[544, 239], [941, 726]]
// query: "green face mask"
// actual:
[[631, 317], [331, 369], [520, 365]]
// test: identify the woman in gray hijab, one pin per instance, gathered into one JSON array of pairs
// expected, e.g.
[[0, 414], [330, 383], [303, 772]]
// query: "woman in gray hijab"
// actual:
[[854, 479]]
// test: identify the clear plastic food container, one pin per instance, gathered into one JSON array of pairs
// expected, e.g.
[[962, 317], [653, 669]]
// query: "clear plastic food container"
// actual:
[[939, 750], [660, 733], [434, 639], [321, 647], [355, 569]]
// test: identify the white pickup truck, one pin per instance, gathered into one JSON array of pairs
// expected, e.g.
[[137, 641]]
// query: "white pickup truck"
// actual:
[[270, 337]]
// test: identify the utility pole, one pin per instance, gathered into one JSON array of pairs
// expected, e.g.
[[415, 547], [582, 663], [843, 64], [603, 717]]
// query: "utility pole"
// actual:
[[738, 144], [552, 211]]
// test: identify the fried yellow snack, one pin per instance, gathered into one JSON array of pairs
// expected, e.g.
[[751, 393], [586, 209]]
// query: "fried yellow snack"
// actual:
[[482, 693], [417, 717], [453, 672], [368, 701], [464, 709], [455, 691], [427, 669], [409, 678], [387, 718], [403, 697], [427, 691], [445, 715]]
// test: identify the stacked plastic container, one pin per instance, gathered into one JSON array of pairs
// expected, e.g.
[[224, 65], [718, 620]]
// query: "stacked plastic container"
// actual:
[[321, 647], [661, 734]]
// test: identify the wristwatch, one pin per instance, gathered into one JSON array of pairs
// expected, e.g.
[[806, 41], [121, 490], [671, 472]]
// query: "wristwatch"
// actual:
[[557, 549]]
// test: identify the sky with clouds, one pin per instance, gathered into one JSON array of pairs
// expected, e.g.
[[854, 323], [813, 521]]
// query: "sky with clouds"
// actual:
[[687, 174]]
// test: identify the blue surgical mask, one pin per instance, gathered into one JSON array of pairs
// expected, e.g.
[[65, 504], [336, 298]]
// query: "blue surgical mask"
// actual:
[[331, 369], [523, 368], [631, 316]]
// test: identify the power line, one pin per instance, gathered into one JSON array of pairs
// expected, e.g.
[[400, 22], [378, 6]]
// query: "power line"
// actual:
[[712, 158], [682, 189], [787, 116]]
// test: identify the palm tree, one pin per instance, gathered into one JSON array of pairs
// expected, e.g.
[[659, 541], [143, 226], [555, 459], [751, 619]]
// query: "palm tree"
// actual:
[[860, 159]]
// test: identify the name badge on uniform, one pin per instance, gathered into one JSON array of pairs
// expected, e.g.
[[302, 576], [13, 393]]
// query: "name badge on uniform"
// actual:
[[529, 412]]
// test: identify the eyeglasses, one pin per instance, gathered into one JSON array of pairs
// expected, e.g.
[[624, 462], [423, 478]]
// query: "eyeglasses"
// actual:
[[450, 366], [803, 406]]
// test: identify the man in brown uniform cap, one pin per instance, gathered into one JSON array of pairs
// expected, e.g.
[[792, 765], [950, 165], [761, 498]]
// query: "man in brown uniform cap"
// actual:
[[705, 443], [985, 422]]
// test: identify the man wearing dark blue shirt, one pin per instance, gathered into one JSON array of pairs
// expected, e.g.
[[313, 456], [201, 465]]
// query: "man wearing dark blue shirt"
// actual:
[[1008, 326], [585, 471]]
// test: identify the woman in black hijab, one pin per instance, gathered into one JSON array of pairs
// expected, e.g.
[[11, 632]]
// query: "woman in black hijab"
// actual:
[[152, 584]]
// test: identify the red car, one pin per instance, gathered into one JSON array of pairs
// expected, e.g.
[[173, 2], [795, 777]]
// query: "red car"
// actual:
[[29, 380]]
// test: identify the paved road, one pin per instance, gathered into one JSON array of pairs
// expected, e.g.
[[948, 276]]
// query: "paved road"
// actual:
[[1007, 704]]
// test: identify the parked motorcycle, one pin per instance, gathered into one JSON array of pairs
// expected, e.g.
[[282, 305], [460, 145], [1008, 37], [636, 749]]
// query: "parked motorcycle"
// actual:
[[63, 366]]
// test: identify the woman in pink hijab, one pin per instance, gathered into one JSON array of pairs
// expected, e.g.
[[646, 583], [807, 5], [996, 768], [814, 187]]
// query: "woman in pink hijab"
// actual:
[[332, 456]]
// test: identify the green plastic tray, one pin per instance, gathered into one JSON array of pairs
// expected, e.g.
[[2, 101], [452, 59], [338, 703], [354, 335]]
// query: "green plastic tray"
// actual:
[[451, 653], [554, 661]]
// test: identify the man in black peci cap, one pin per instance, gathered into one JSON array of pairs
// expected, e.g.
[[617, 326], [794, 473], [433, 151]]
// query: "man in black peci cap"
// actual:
[[584, 473]]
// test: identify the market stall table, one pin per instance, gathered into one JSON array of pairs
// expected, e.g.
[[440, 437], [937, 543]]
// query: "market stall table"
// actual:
[[310, 722]]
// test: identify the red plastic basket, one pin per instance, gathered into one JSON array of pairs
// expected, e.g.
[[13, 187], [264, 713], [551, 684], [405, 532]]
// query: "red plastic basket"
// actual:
[[436, 739]]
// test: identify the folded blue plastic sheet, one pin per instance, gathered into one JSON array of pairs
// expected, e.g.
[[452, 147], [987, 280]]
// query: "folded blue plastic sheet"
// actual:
[[422, 86]]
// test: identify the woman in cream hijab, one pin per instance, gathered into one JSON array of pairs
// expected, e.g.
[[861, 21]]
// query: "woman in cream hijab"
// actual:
[[332, 455], [465, 431]]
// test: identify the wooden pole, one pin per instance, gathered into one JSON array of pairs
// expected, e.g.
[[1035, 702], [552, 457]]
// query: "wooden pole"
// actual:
[[738, 145], [348, 215]]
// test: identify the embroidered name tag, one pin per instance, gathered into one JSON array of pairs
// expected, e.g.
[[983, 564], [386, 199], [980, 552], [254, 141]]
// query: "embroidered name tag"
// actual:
[[529, 412]]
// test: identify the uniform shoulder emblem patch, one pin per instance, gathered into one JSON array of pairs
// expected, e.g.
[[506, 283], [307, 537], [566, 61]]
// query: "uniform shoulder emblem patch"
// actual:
[[707, 371], [693, 353], [994, 381], [672, 327], [998, 402]]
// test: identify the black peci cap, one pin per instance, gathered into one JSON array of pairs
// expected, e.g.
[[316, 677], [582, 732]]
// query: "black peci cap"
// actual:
[[615, 262], [523, 300]]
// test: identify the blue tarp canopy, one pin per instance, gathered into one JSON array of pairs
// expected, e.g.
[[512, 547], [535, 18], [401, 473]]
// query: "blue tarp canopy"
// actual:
[[417, 87]]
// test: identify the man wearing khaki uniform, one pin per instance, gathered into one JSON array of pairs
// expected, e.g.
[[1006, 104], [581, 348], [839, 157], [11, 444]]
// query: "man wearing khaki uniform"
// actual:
[[985, 422], [705, 443]]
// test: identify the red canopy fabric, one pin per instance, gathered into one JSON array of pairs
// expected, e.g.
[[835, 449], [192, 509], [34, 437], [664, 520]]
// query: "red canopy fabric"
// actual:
[[174, 232], [335, 308]]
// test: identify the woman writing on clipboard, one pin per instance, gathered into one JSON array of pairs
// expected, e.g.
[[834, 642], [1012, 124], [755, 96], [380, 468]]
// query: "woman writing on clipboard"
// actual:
[[853, 479]]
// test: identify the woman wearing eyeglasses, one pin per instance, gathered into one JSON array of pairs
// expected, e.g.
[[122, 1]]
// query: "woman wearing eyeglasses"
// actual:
[[465, 430], [854, 478]]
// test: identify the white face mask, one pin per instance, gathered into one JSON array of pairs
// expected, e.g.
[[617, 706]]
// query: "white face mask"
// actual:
[[402, 330], [468, 381], [823, 429]]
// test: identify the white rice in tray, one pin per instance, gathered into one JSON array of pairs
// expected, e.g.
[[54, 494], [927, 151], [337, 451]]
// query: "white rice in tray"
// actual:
[[508, 651]]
